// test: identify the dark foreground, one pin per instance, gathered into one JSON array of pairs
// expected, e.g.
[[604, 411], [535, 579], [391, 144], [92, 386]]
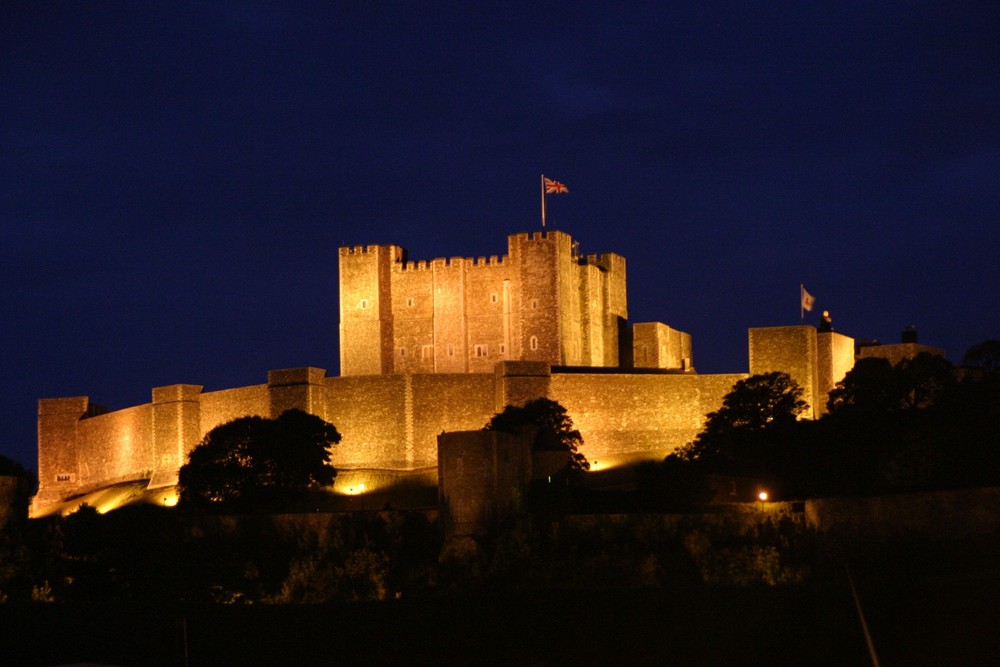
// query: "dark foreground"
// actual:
[[949, 620]]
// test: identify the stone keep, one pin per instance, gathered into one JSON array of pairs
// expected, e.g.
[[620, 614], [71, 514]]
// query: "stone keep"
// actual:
[[540, 302]]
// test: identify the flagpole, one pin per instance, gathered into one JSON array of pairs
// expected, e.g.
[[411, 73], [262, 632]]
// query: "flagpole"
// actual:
[[543, 200], [802, 303]]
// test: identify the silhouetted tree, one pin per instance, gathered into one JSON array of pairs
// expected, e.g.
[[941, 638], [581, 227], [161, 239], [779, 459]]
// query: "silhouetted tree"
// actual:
[[874, 386], [736, 434], [985, 355], [257, 463], [869, 387], [926, 380], [25, 487], [552, 426]]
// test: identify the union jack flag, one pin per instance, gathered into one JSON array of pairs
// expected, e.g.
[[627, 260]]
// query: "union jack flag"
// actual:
[[554, 187]]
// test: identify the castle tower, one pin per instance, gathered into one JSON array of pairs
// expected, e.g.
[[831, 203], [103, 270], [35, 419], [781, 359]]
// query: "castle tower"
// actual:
[[366, 309], [541, 302], [176, 417], [791, 350], [572, 307], [58, 464]]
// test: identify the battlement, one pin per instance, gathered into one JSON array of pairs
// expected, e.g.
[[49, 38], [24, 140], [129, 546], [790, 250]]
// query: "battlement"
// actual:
[[545, 235], [608, 261], [414, 265], [395, 251], [358, 249]]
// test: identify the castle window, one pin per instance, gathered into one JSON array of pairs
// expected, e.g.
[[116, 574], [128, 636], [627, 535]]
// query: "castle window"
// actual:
[[402, 352], [409, 302], [494, 298], [533, 343], [451, 350], [64, 477], [534, 304], [363, 304], [426, 352], [458, 467], [482, 350], [503, 349]]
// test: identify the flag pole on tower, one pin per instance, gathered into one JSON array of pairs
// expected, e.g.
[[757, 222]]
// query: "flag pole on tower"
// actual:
[[550, 187], [543, 201]]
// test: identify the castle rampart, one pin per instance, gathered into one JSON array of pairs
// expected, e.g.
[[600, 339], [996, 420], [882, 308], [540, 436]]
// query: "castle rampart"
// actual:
[[629, 417]]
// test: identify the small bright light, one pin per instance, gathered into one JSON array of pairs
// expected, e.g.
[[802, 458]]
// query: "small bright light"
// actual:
[[361, 487], [762, 496]]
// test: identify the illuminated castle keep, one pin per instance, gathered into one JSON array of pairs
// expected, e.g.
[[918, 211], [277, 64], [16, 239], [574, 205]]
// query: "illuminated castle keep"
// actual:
[[440, 346]]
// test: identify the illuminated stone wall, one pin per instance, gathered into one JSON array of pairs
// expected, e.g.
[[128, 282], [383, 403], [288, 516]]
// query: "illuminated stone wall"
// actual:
[[626, 418], [220, 407], [897, 352], [791, 350], [655, 345], [391, 421], [58, 446], [388, 422], [80, 449], [835, 356], [366, 335]]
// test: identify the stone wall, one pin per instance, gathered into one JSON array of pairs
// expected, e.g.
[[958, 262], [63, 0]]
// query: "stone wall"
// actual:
[[655, 345], [388, 422], [483, 478], [896, 352], [940, 515], [626, 418], [835, 357], [392, 421], [792, 350]]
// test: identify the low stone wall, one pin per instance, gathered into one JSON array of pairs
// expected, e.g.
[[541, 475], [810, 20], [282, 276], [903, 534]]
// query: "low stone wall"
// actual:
[[959, 514]]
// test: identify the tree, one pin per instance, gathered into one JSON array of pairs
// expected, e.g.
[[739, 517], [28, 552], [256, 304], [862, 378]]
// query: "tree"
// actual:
[[875, 387], [926, 380], [25, 486], [253, 462], [754, 406], [985, 355], [552, 429], [870, 387]]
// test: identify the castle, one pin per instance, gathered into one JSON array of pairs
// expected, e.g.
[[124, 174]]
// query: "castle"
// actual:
[[439, 346]]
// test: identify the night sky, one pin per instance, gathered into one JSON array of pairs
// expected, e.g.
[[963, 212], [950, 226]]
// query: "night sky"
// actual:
[[177, 176]]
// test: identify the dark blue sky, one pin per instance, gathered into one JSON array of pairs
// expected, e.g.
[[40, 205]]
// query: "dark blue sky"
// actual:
[[177, 176]]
